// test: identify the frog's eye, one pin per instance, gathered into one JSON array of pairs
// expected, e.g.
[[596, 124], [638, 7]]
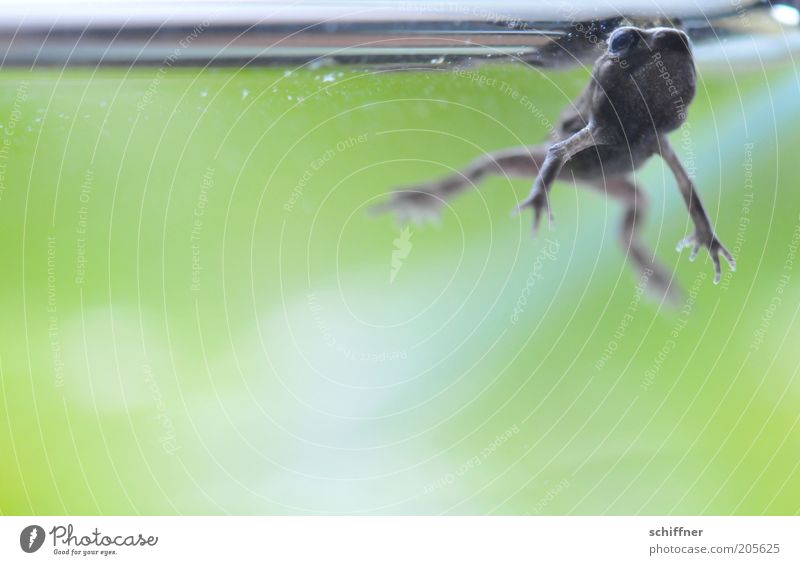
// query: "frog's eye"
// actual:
[[622, 40]]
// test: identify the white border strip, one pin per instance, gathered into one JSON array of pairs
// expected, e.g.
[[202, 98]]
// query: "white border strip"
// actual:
[[390, 540]]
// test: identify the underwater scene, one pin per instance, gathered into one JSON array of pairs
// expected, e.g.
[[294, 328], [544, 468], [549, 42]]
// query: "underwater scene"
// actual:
[[201, 314]]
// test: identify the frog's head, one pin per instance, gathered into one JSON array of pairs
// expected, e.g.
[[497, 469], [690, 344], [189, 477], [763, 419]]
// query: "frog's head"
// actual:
[[654, 67], [629, 41]]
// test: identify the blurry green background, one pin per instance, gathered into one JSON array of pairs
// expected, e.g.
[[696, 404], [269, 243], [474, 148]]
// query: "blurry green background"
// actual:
[[199, 315]]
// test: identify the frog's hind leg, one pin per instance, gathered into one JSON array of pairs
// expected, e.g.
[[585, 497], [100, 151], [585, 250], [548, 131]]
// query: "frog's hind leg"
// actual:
[[425, 200], [659, 279]]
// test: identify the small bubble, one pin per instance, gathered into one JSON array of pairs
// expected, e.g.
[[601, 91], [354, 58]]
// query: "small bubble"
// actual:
[[204, 93], [245, 93]]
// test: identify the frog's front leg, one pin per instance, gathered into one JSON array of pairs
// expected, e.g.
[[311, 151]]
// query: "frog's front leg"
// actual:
[[425, 200], [703, 235], [557, 155]]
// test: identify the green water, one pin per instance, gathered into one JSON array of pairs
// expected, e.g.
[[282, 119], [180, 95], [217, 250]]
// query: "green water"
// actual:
[[199, 316]]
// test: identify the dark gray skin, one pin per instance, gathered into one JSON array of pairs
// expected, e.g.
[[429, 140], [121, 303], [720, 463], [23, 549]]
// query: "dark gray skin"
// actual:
[[640, 91]]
